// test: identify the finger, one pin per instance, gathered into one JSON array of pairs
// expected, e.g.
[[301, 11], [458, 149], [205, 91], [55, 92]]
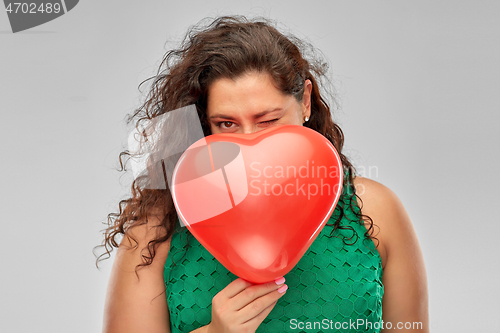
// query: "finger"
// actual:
[[253, 292], [258, 319], [234, 288], [259, 305]]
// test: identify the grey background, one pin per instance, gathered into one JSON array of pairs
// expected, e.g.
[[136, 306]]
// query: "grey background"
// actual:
[[418, 83]]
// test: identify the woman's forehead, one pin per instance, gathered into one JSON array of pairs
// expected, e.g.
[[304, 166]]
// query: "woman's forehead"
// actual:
[[254, 92]]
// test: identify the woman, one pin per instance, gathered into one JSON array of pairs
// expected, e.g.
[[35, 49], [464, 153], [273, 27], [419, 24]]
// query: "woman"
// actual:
[[365, 270]]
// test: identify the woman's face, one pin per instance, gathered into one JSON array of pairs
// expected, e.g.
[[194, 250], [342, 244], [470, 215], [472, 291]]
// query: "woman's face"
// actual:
[[252, 102]]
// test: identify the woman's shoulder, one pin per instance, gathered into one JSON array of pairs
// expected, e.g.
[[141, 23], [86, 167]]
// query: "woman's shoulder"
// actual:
[[390, 219], [138, 237], [133, 290], [372, 189], [405, 281]]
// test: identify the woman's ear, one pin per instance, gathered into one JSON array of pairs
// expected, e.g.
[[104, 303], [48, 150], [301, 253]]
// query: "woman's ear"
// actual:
[[306, 99]]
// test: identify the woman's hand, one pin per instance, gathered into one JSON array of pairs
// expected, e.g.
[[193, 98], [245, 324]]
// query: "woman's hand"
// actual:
[[242, 306]]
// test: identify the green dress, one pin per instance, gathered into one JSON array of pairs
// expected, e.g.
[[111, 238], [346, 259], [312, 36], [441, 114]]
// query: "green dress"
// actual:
[[336, 286]]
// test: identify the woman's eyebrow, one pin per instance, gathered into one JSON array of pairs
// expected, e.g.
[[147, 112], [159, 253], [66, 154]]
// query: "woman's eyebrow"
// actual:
[[258, 115]]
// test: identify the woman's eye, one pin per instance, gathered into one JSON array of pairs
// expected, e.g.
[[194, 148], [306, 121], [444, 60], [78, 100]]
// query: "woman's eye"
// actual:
[[267, 122], [225, 124]]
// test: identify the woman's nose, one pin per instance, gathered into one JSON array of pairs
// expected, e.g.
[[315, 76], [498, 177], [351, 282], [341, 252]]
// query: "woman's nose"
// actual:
[[247, 129]]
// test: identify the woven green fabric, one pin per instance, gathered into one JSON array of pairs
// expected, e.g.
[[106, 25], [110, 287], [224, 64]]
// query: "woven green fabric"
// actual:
[[334, 287]]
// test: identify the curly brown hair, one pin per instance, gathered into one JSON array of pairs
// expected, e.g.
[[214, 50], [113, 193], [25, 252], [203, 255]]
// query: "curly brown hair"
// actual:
[[226, 47]]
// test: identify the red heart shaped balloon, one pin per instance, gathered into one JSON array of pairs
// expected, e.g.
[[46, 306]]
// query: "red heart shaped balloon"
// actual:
[[257, 201]]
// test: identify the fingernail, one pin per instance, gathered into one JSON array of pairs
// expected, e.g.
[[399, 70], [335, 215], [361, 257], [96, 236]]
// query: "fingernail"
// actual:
[[282, 289], [280, 281]]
